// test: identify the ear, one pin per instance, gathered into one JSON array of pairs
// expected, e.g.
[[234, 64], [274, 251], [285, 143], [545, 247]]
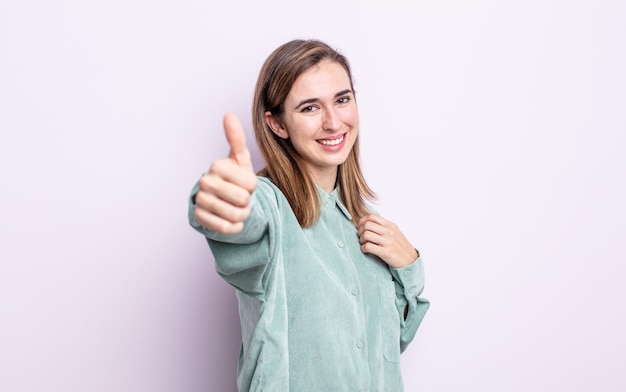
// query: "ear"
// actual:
[[276, 125]]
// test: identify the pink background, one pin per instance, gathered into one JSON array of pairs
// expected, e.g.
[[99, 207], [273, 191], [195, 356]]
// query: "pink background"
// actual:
[[493, 132]]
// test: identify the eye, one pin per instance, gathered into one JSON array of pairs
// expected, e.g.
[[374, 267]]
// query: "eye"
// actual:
[[308, 109], [344, 99]]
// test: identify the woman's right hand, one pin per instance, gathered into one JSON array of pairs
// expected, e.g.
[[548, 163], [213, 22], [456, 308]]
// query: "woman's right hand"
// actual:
[[223, 199]]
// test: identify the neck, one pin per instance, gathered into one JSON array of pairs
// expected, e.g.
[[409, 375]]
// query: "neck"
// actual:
[[326, 180]]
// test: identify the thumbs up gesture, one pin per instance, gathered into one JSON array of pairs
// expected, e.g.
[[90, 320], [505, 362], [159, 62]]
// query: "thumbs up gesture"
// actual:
[[223, 199]]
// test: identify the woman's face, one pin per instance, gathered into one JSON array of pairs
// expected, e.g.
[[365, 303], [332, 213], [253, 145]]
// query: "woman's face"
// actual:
[[321, 118]]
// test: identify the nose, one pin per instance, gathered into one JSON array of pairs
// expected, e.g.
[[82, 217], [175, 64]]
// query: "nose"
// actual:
[[331, 121]]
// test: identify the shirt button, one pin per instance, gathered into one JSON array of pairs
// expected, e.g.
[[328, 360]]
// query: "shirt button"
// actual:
[[340, 244], [407, 273], [354, 292], [359, 344]]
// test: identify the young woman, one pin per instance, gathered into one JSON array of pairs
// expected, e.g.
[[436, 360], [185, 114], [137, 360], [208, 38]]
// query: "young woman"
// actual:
[[328, 290]]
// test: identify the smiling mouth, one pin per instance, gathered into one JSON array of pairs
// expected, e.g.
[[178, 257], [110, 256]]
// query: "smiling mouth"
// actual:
[[331, 142]]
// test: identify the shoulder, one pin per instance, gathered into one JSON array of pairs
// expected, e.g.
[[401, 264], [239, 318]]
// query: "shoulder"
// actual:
[[266, 182], [275, 206], [266, 187], [269, 194]]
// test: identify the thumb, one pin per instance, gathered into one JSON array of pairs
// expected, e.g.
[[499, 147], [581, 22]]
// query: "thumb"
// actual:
[[237, 141]]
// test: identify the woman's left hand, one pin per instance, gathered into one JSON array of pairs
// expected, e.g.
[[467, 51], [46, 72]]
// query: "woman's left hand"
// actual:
[[384, 239]]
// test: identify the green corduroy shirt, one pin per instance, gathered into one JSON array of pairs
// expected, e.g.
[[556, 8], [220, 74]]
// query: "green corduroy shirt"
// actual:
[[317, 314]]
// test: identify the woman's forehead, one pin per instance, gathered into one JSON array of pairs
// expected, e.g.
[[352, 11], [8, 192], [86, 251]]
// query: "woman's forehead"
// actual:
[[320, 81]]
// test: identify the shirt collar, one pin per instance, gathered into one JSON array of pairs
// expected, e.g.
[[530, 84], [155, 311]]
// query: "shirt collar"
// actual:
[[333, 197]]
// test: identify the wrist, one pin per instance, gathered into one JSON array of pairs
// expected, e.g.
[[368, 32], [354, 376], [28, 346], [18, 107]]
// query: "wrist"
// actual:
[[410, 259]]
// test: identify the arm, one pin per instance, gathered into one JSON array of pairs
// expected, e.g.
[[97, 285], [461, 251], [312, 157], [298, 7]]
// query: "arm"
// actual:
[[242, 258], [224, 207], [384, 239], [409, 282]]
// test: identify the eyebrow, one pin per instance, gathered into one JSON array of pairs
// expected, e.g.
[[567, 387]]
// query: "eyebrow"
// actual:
[[313, 100]]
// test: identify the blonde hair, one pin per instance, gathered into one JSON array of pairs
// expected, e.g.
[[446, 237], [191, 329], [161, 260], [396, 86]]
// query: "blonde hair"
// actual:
[[283, 165]]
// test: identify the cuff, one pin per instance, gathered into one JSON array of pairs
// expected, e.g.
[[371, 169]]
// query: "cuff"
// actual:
[[411, 277]]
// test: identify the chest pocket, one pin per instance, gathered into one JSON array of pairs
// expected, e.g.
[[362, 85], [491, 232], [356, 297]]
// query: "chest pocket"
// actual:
[[390, 321]]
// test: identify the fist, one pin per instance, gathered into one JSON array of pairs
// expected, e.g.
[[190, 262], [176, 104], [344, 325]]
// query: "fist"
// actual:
[[223, 199]]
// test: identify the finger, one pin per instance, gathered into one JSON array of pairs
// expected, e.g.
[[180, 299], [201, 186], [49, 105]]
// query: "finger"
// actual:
[[374, 218], [223, 209], [371, 248], [226, 170], [370, 236], [216, 223], [217, 188], [373, 227], [237, 141]]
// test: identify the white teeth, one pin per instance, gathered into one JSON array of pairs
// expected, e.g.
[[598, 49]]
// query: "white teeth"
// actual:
[[332, 142]]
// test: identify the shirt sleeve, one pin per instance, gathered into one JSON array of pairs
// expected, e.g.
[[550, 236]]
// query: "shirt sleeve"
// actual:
[[409, 286], [242, 258]]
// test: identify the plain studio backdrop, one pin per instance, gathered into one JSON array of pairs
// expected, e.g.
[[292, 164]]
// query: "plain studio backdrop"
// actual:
[[493, 132]]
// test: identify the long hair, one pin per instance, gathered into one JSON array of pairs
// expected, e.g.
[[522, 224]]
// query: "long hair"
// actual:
[[283, 165]]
